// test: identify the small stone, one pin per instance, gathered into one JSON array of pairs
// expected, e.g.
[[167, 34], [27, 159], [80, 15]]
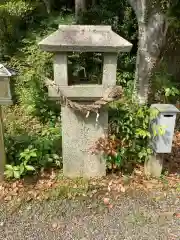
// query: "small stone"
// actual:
[[1, 224], [54, 225], [29, 207], [106, 200]]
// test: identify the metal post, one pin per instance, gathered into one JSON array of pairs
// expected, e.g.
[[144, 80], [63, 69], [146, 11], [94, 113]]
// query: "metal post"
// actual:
[[2, 148]]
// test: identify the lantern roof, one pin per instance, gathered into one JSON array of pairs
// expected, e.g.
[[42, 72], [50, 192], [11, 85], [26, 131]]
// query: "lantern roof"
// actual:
[[6, 72], [85, 38]]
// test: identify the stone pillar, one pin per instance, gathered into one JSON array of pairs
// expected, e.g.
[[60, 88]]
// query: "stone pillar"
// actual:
[[61, 69], [2, 148], [154, 165], [79, 134], [109, 69]]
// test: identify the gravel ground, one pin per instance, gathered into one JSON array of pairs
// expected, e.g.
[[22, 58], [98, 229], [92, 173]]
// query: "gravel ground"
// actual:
[[133, 216]]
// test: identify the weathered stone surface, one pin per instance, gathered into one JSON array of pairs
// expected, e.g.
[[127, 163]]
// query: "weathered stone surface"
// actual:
[[109, 69], [79, 134], [61, 69], [85, 38], [5, 93], [6, 72], [154, 165], [78, 92], [4, 88]]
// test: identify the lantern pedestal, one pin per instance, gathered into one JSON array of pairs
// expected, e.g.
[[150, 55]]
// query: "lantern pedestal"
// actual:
[[79, 135]]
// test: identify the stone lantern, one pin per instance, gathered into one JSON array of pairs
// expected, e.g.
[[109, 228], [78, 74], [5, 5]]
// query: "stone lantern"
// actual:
[[5, 92], [79, 133], [5, 99]]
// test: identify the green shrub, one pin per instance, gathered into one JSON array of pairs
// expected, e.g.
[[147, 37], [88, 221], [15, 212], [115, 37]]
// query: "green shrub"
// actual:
[[129, 137], [129, 123], [30, 145], [33, 66], [164, 88]]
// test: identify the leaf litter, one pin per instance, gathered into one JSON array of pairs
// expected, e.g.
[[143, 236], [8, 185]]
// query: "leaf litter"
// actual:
[[106, 189]]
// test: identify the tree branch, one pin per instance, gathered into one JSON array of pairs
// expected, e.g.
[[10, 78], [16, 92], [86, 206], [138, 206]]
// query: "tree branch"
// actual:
[[140, 9], [134, 4]]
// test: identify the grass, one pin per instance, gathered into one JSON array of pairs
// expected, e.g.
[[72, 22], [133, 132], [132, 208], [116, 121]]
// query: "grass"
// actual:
[[138, 218], [68, 188]]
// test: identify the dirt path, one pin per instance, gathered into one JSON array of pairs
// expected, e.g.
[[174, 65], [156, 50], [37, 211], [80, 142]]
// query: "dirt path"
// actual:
[[133, 216]]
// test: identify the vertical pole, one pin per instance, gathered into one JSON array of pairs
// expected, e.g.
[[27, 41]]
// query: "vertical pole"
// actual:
[[109, 69], [2, 148], [61, 69]]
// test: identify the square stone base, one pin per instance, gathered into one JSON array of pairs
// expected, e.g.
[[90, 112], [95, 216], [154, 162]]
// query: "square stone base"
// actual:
[[79, 134], [154, 165]]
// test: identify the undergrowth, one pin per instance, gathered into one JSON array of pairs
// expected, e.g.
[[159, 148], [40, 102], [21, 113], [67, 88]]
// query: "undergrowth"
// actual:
[[30, 145], [33, 125]]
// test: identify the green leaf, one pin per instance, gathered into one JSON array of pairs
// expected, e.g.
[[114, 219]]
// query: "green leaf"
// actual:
[[9, 173], [33, 154], [9, 167], [17, 174], [55, 156], [22, 168], [153, 113], [29, 168], [50, 159], [16, 168], [118, 160], [167, 92], [142, 133], [162, 130], [140, 155]]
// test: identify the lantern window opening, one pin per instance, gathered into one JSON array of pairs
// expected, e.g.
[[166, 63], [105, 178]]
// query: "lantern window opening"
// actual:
[[85, 68]]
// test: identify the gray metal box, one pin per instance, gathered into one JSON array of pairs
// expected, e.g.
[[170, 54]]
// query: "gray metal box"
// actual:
[[162, 143]]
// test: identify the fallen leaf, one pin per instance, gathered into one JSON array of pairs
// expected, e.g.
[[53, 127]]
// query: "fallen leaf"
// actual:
[[137, 172], [94, 191], [8, 198], [110, 183], [122, 189], [176, 215], [106, 201], [165, 194]]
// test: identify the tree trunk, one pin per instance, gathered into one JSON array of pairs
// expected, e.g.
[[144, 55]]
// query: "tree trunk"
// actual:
[[47, 4], [93, 3], [80, 7], [151, 40], [152, 34]]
